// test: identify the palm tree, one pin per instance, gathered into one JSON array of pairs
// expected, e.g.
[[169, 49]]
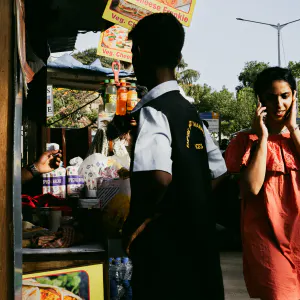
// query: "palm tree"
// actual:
[[186, 76]]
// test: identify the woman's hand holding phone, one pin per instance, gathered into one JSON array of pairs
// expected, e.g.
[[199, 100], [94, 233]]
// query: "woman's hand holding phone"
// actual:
[[291, 116], [258, 125]]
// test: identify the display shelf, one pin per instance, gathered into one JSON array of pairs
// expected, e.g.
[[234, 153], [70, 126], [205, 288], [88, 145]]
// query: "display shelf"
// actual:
[[89, 248]]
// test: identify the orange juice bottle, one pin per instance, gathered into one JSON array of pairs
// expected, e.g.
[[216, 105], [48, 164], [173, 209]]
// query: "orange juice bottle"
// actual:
[[122, 99], [132, 98]]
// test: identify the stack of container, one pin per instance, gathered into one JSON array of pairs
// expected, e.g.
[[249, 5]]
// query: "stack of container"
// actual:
[[119, 101], [120, 270]]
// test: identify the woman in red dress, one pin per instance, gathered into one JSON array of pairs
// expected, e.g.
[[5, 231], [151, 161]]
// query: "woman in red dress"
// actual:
[[268, 159]]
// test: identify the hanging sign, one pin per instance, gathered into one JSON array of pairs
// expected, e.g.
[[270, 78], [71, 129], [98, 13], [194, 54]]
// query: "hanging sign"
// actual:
[[128, 12], [50, 106], [114, 44], [181, 9], [212, 119], [124, 13]]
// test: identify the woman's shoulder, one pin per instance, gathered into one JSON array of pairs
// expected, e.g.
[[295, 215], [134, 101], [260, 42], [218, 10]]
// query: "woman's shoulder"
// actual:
[[282, 154], [238, 151], [244, 136]]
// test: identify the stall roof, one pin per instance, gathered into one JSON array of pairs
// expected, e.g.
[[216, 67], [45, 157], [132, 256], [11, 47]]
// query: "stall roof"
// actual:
[[68, 72], [62, 44], [60, 21], [68, 18]]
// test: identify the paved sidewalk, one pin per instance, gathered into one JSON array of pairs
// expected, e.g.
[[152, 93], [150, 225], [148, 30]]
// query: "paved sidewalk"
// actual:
[[233, 276]]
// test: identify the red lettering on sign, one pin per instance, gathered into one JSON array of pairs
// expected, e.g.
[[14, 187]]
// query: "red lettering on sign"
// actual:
[[149, 4], [107, 52], [131, 24], [180, 16], [117, 18]]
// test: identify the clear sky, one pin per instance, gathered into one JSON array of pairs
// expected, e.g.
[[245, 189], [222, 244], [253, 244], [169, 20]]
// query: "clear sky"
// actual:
[[217, 45]]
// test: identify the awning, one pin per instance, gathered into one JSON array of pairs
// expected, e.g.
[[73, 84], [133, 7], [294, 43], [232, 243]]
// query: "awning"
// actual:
[[68, 72]]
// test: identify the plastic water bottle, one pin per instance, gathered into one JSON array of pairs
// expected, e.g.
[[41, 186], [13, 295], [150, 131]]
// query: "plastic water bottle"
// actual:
[[127, 269], [125, 277], [128, 290], [117, 269], [113, 276], [111, 97], [122, 268], [119, 282], [110, 267]]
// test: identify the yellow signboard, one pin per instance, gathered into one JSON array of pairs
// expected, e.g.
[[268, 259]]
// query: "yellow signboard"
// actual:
[[124, 13], [181, 9], [114, 44], [128, 12], [80, 283]]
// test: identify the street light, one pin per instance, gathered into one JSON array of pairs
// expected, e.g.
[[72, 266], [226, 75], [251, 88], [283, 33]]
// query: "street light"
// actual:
[[278, 27]]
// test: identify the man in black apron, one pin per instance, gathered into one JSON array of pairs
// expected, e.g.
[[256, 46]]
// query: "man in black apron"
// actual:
[[170, 231]]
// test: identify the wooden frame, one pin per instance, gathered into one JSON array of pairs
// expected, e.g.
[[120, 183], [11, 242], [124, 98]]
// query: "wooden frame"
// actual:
[[6, 149]]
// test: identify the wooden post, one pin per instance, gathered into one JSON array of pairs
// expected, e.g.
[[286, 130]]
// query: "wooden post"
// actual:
[[6, 149], [64, 146], [48, 135]]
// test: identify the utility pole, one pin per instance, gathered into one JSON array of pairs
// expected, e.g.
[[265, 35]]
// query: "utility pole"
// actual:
[[278, 27]]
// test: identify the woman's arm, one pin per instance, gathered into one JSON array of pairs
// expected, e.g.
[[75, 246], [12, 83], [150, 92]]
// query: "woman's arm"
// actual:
[[253, 176], [291, 124], [295, 135]]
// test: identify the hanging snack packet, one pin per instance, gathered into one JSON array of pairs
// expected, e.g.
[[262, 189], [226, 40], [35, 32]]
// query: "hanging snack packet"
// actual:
[[55, 183]]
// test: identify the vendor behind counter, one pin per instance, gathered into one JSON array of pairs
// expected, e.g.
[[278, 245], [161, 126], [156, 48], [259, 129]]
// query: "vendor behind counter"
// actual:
[[31, 174]]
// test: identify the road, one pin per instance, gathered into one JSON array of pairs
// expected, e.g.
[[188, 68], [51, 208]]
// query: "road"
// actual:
[[233, 276]]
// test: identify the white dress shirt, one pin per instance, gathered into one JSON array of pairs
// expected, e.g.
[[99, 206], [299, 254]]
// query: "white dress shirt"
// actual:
[[153, 145]]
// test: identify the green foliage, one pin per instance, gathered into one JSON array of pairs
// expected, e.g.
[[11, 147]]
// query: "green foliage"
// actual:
[[295, 68], [236, 112], [186, 76], [93, 115], [87, 56], [90, 55], [248, 75], [67, 101], [182, 65]]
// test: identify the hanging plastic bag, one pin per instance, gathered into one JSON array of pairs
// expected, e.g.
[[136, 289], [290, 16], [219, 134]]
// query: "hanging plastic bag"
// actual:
[[116, 210]]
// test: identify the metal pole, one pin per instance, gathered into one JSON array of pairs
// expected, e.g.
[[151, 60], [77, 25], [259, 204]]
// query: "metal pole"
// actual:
[[278, 29]]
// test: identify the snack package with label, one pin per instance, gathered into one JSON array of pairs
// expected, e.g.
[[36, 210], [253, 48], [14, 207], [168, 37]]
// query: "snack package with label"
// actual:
[[75, 182], [55, 183]]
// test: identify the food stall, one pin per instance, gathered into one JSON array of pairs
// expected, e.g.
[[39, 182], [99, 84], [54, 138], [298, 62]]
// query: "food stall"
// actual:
[[49, 256], [70, 266]]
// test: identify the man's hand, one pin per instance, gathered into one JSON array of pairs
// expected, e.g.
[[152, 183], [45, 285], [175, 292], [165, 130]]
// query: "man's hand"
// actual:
[[48, 161]]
